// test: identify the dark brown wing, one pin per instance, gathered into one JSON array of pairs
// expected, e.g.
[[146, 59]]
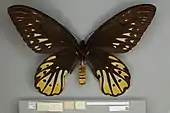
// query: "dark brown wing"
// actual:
[[41, 33], [50, 76], [113, 75], [122, 32]]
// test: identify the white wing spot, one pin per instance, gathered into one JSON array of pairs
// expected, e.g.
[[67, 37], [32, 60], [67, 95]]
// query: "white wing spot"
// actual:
[[49, 44], [39, 49], [37, 21], [29, 24], [19, 20], [49, 47], [26, 30], [127, 46], [137, 29], [130, 29], [107, 67], [126, 20], [32, 29], [132, 41], [28, 36], [36, 35], [36, 47], [133, 23], [42, 40], [116, 44], [135, 35], [127, 34], [121, 39], [31, 42], [144, 19], [124, 48], [57, 67]]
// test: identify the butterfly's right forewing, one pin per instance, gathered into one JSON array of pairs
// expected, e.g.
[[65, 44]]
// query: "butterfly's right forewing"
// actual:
[[41, 33]]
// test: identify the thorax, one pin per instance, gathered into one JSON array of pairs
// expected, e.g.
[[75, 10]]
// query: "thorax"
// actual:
[[82, 49]]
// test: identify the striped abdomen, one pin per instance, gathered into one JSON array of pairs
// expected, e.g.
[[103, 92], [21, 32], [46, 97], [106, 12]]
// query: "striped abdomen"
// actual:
[[82, 73]]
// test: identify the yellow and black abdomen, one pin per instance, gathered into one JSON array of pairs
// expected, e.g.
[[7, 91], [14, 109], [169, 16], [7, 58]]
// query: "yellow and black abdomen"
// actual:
[[82, 73]]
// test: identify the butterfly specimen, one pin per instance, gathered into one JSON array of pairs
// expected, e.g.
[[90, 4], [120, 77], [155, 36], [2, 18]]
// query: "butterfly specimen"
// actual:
[[117, 35]]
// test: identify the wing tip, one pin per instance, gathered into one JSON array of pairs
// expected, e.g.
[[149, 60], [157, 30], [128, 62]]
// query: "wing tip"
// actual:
[[153, 6], [13, 8]]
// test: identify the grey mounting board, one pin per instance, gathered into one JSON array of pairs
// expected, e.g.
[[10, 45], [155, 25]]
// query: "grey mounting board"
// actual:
[[82, 106]]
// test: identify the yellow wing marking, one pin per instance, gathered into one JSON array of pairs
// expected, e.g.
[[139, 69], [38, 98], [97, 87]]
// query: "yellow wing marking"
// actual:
[[51, 58], [41, 84], [100, 78], [105, 84], [42, 73], [119, 65], [114, 87], [52, 87], [60, 82], [122, 83], [108, 85], [45, 65], [122, 73], [49, 87], [112, 58]]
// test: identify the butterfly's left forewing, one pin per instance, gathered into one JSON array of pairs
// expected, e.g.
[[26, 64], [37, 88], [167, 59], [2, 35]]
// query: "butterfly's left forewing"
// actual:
[[113, 75], [122, 32], [49, 79]]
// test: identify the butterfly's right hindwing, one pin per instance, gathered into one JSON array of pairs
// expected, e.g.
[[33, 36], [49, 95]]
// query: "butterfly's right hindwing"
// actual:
[[49, 79]]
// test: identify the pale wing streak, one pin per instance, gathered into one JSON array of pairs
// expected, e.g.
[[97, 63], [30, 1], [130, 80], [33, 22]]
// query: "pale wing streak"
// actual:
[[115, 81]]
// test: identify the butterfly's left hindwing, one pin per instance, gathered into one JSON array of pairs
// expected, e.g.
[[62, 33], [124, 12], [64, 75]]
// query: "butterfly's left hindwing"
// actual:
[[49, 79], [113, 75]]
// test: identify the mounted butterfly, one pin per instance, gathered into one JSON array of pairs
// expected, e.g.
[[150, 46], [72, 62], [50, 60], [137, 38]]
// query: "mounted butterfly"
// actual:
[[47, 36]]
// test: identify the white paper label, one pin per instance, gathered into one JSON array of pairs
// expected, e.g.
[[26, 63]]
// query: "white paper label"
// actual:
[[31, 105], [80, 105], [53, 107], [118, 108], [69, 105]]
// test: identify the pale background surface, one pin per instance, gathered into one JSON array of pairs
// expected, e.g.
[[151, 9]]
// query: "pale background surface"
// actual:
[[148, 62]]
